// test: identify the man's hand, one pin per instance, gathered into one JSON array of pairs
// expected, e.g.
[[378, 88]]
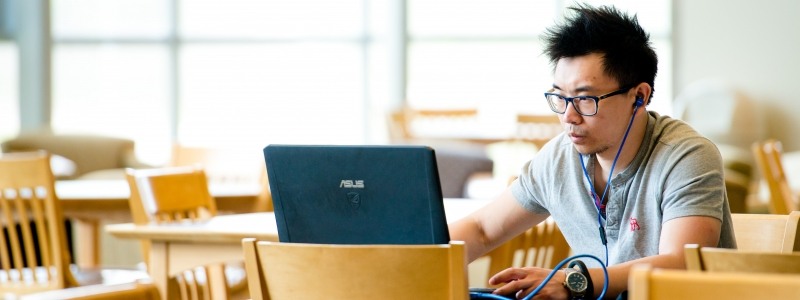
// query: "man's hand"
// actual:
[[525, 280]]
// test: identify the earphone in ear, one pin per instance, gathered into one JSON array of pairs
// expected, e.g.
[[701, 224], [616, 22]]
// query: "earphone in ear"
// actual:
[[639, 102]]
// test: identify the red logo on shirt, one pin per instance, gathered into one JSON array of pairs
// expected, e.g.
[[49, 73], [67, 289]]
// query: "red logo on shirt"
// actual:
[[634, 224]]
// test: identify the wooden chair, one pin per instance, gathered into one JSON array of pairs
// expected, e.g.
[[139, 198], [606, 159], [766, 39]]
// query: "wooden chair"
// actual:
[[645, 283], [538, 129], [732, 260], [768, 158], [264, 202], [220, 164], [94, 156], [33, 244], [224, 165], [541, 246], [318, 271], [180, 194], [766, 232], [401, 121], [737, 187]]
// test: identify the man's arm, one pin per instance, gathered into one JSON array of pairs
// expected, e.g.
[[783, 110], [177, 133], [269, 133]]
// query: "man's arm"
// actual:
[[493, 224], [675, 234]]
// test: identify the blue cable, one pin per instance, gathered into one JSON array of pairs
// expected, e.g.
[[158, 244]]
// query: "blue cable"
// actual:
[[479, 295], [561, 264], [599, 222], [600, 216], [476, 295]]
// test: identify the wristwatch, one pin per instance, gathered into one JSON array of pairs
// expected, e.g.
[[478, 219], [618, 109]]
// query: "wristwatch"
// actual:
[[578, 283]]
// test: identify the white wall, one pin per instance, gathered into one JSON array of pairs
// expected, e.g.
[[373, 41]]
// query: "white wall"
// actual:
[[754, 45]]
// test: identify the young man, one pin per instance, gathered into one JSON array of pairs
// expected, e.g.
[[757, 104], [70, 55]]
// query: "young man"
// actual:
[[666, 185]]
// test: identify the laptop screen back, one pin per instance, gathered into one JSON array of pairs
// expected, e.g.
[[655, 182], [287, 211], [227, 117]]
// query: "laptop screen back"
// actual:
[[356, 194]]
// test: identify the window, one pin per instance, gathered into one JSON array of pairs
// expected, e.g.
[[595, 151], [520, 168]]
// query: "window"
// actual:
[[116, 90], [9, 90], [487, 55], [246, 73], [111, 71], [257, 72], [210, 73]]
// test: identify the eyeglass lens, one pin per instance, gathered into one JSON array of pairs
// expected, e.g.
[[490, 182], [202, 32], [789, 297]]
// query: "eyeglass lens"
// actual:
[[584, 105]]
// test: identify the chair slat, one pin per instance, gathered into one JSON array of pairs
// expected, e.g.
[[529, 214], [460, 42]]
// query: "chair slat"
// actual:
[[26, 224], [16, 249], [41, 233], [183, 287], [41, 230], [5, 226], [206, 286], [540, 246]]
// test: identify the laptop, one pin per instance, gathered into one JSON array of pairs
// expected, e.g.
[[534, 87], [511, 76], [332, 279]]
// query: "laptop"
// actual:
[[356, 194]]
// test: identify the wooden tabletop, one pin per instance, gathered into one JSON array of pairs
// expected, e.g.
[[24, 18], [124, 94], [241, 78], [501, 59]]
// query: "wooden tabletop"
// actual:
[[91, 203], [108, 199], [219, 229]]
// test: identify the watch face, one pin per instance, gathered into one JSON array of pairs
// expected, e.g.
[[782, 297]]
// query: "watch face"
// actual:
[[576, 282]]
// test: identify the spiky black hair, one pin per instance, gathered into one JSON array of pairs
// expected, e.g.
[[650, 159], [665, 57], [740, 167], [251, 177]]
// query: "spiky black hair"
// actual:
[[627, 53]]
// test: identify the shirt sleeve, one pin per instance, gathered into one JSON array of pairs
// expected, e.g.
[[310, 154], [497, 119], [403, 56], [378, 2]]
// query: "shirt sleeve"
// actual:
[[694, 184], [537, 177]]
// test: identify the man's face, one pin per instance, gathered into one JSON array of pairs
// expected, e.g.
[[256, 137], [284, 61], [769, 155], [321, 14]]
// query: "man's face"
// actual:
[[584, 75]]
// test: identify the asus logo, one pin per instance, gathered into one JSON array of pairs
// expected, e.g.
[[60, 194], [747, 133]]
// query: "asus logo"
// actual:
[[353, 184]]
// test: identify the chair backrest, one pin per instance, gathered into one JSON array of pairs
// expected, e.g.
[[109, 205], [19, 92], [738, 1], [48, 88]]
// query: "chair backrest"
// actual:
[[170, 194], [282, 271], [89, 152], [768, 158], [166, 195], [404, 123], [732, 260], [645, 283], [31, 224], [542, 246], [767, 232], [538, 129]]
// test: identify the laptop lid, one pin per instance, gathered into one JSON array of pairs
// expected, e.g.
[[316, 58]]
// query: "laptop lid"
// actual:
[[356, 194]]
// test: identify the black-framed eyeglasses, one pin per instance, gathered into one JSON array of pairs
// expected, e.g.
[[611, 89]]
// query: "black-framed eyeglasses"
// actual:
[[585, 105]]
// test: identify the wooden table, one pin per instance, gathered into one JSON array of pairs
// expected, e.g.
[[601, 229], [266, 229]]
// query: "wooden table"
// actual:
[[177, 247], [92, 202]]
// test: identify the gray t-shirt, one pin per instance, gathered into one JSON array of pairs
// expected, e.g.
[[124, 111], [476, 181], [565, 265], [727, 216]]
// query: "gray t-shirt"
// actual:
[[676, 173]]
